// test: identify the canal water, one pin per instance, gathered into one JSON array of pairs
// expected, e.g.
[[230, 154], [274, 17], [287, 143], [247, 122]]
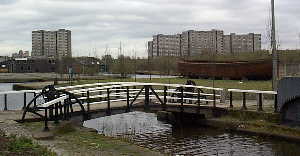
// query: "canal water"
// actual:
[[143, 129], [14, 101]]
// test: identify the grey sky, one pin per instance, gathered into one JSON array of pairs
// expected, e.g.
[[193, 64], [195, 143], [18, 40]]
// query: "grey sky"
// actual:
[[96, 24]]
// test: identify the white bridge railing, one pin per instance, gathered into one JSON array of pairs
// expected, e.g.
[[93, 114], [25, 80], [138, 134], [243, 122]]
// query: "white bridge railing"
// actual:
[[99, 93], [16, 98], [259, 94]]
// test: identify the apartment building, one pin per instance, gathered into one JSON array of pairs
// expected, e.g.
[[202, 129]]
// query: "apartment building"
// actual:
[[64, 47], [150, 48], [165, 45], [197, 42], [54, 44], [242, 43], [193, 43]]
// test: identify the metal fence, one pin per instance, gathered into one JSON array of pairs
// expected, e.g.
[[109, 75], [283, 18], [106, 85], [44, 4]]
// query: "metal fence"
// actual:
[[16, 100]]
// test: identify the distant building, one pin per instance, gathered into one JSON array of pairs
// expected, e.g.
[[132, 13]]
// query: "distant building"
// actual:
[[28, 65], [165, 45], [197, 42], [242, 43], [54, 44], [79, 65], [4, 58], [193, 43], [21, 54]]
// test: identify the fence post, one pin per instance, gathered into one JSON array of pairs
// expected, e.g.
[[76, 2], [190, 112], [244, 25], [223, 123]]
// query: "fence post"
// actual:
[[230, 100], [108, 111], [128, 107], [50, 112], [100, 93], [244, 101], [260, 108], [69, 115], [64, 109], [181, 106], [46, 128], [275, 104], [60, 107], [5, 102], [88, 100], [165, 98], [24, 105], [214, 98], [56, 113], [147, 99], [34, 103], [198, 100]]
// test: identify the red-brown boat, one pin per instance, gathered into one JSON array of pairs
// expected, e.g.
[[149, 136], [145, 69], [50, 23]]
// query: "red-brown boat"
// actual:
[[261, 69]]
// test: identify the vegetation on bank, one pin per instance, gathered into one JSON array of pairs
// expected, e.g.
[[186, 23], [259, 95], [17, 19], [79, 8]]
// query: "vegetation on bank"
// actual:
[[11, 145], [82, 141], [257, 123]]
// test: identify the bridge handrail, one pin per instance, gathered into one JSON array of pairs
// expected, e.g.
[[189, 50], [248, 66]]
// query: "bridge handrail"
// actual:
[[60, 99], [129, 84], [252, 91], [92, 84], [21, 91]]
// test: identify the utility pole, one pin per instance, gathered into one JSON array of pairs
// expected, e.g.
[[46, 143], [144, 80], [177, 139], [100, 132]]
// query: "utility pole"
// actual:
[[169, 66], [105, 59], [149, 62], [274, 52], [134, 66], [299, 40]]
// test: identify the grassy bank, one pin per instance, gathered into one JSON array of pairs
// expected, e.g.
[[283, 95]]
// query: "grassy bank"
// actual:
[[82, 141], [20, 147], [256, 123]]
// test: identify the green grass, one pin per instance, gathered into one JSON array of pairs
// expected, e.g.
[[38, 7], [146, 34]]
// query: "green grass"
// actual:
[[266, 123], [11, 145]]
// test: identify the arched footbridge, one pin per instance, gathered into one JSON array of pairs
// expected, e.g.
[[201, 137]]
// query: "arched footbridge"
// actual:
[[54, 104]]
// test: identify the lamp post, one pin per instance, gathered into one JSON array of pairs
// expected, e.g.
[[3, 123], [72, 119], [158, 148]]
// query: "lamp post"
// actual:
[[274, 51]]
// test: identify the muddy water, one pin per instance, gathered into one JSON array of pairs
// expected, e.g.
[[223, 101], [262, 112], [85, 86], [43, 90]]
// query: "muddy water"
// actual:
[[145, 130]]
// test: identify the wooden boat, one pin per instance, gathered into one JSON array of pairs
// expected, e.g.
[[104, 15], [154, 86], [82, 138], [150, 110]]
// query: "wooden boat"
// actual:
[[257, 70]]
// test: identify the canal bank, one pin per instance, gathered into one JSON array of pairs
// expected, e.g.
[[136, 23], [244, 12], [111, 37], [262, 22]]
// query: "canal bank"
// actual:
[[256, 123], [143, 129], [69, 138], [234, 132], [243, 116], [262, 124]]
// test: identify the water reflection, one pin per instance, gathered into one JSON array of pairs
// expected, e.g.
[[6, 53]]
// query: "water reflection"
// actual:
[[145, 130]]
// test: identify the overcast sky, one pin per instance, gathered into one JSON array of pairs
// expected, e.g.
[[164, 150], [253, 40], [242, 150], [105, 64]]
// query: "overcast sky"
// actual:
[[96, 24]]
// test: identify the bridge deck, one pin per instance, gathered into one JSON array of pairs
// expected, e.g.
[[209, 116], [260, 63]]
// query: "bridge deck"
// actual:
[[251, 105]]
